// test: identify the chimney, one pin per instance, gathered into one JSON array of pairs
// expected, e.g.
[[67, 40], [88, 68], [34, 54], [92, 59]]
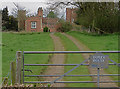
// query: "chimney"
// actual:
[[40, 12], [68, 14]]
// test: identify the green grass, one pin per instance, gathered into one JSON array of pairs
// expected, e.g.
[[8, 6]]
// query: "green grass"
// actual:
[[74, 59], [99, 43], [13, 42]]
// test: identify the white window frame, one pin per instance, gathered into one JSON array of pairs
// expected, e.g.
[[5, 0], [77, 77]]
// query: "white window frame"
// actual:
[[33, 24], [72, 20]]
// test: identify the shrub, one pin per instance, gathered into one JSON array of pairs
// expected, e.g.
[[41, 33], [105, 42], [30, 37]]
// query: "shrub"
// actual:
[[64, 26], [3, 28], [45, 29], [38, 33]]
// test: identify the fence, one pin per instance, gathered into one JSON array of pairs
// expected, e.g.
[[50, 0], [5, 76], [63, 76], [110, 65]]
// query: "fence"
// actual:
[[65, 74]]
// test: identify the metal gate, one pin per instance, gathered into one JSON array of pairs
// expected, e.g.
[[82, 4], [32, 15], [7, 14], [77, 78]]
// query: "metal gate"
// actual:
[[65, 74]]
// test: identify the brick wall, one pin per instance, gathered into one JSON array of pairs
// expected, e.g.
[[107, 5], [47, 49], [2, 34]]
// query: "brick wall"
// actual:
[[33, 19], [50, 23], [71, 14]]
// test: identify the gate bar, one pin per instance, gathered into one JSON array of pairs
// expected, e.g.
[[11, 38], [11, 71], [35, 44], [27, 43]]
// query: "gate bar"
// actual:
[[72, 82], [63, 64], [70, 75], [51, 52], [23, 67]]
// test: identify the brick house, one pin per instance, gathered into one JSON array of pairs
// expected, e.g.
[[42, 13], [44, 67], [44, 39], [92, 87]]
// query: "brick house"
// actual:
[[38, 22], [71, 14]]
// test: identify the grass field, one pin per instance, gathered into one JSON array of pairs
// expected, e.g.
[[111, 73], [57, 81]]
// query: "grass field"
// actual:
[[74, 59], [99, 43], [13, 42]]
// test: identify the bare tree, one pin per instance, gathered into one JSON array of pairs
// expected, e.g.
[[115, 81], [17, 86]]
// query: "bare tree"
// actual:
[[46, 11], [17, 8], [49, 9], [62, 5]]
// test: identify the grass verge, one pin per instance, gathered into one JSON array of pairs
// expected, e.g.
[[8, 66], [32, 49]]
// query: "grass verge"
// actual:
[[13, 42]]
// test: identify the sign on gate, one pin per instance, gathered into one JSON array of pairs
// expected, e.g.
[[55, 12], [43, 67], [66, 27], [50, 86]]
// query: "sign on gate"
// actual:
[[99, 60]]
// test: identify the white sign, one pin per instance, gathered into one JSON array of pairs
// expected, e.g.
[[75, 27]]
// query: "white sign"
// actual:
[[99, 60]]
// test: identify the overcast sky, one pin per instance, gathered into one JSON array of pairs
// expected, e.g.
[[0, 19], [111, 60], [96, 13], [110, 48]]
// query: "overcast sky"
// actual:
[[33, 5], [30, 6]]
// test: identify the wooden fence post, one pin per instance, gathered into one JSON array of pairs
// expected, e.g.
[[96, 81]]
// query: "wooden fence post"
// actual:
[[13, 72], [18, 67], [5, 81]]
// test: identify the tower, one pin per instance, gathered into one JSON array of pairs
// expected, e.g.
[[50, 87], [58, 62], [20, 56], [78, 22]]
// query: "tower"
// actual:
[[21, 19]]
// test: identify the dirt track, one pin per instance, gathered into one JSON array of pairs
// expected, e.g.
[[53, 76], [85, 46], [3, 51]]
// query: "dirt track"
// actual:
[[82, 47], [56, 59]]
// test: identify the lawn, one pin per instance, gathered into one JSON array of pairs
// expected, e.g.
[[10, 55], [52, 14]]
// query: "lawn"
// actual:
[[99, 43], [74, 59], [13, 42]]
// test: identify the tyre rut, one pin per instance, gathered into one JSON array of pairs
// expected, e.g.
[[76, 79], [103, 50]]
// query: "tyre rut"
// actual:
[[82, 47]]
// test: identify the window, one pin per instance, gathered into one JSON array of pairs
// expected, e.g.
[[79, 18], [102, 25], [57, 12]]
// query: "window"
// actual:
[[72, 20], [33, 25]]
